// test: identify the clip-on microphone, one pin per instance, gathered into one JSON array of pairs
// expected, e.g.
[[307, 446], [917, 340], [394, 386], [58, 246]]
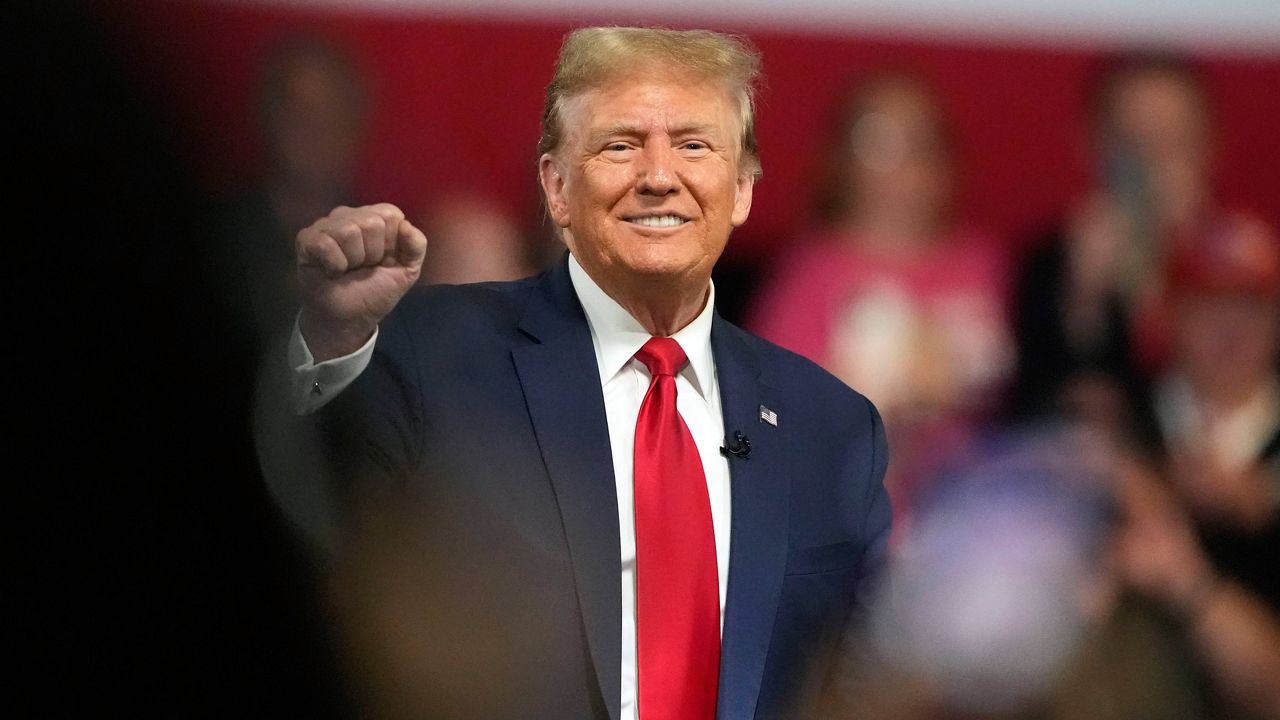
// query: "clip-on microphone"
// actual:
[[739, 446]]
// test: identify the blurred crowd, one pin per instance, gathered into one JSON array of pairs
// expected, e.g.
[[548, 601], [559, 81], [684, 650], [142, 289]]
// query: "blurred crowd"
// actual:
[[1085, 436], [1122, 558]]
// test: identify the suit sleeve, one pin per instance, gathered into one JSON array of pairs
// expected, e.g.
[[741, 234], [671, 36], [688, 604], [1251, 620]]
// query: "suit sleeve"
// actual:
[[370, 435], [322, 467]]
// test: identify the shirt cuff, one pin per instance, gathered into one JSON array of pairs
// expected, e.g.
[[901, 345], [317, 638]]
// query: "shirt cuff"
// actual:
[[315, 384]]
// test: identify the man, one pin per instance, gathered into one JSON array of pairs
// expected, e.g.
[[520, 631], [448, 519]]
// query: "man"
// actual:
[[312, 119], [1206, 547], [616, 504], [1088, 320]]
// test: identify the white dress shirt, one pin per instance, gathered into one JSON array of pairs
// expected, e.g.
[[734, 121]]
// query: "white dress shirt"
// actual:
[[616, 337]]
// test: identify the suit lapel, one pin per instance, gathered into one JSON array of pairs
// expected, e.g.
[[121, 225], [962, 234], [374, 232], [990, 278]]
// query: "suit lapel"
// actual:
[[559, 379], [758, 540]]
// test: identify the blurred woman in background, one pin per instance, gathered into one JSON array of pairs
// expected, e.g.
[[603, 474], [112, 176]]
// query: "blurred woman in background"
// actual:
[[889, 292]]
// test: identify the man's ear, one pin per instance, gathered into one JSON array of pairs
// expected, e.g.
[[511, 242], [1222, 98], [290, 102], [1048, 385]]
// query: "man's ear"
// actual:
[[553, 181], [742, 197]]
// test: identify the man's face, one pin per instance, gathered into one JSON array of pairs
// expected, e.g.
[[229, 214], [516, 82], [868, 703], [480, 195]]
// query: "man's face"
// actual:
[[649, 180], [1160, 117], [1226, 341], [316, 129]]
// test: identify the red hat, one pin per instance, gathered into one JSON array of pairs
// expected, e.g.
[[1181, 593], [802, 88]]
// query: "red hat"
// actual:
[[1235, 254]]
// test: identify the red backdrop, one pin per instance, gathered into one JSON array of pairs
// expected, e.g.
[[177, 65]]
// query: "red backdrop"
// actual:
[[457, 101]]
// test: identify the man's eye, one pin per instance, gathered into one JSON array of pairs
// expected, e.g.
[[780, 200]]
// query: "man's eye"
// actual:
[[694, 145], [616, 147]]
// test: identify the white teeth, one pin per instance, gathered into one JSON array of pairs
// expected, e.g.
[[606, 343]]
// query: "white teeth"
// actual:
[[658, 221]]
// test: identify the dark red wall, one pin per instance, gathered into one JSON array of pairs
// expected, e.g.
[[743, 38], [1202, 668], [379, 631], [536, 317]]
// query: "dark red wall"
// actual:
[[456, 105]]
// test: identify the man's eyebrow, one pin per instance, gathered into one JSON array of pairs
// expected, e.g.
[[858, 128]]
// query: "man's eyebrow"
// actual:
[[697, 129], [626, 130], [615, 130]]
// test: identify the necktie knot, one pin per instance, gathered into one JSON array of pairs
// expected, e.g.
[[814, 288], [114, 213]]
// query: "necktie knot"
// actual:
[[663, 356]]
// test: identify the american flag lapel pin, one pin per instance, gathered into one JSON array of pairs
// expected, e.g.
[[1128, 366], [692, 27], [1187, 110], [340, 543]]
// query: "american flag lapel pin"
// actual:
[[768, 416]]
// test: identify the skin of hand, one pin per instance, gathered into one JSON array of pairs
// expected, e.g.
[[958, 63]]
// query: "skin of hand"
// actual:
[[1235, 634], [353, 266], [1239, 498], [1156, 549], [1099, 230]]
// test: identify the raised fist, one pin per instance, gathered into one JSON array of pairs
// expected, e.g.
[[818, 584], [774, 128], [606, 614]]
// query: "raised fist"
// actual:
[[354, 265]]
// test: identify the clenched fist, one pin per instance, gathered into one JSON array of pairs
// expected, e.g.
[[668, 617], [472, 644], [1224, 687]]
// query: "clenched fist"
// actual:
[[354, 265]]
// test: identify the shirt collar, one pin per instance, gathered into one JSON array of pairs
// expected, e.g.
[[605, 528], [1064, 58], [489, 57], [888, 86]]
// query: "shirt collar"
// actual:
[[617, 335]]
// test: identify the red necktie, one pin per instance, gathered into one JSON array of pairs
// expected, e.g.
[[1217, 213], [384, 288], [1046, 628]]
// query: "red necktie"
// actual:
[[677, 583]]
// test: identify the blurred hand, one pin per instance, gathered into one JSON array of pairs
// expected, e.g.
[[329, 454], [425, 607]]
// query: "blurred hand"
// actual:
[[1099, 231], [1236, 634], [1238, 498], [354, 265], [1157, 552], [1097, 401]]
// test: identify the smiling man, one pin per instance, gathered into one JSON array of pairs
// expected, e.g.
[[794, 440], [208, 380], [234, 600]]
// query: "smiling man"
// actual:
[[613, 503]]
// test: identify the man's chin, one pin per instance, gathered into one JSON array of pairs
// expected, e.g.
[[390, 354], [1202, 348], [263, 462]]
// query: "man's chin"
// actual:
[[661, 267]]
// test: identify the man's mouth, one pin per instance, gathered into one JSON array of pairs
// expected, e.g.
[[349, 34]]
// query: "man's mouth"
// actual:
[[657, 221]]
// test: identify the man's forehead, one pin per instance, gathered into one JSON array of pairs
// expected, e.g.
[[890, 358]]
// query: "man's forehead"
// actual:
[[637, 101]]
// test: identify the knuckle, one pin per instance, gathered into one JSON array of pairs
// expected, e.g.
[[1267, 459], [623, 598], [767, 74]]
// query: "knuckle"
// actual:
[[334, 257], [347, 230], [370, 223], [389, 212], [312, 240]]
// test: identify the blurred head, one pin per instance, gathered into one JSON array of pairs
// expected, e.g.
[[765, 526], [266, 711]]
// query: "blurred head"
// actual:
[[474, 240], [312, 113], [648, 150], [892, 154], [1224, 291], [996, 581], [1151, 118]]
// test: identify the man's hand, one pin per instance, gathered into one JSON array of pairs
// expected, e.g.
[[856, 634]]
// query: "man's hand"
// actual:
[[353, 267], [1156, 547]]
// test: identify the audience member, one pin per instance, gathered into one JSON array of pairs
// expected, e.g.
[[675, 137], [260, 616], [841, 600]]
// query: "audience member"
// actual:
[[1054, 576], [312, 107], [1088, 323], [995, 587], [1211, 551], [890, 293], [475, 240], [1218, 403]]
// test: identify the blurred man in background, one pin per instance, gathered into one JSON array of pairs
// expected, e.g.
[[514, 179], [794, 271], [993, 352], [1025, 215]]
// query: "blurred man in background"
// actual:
[[1210, 548], [312, 116], [1218, 402], [473, 239], [1088, 318]]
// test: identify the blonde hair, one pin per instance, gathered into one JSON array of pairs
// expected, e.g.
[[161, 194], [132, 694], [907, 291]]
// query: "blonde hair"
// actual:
[[592, 56]]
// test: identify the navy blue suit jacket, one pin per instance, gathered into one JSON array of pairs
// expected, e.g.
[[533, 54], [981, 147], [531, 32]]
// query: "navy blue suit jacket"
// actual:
[[482, 412]]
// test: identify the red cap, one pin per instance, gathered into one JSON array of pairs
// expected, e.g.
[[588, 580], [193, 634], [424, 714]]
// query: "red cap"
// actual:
[[1235, 254]]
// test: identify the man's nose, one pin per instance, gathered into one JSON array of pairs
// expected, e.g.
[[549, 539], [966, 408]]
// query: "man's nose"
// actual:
[[656, 171]]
